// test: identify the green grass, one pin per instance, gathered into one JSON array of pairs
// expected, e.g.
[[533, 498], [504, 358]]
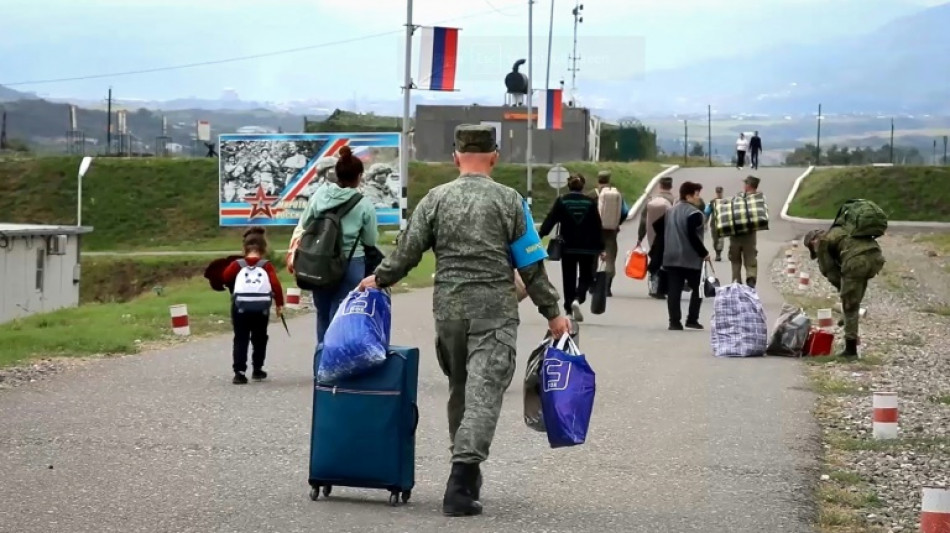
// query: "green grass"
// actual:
[[904, 193], [939, 241], [122, 327], [172, 204], [941, 399]]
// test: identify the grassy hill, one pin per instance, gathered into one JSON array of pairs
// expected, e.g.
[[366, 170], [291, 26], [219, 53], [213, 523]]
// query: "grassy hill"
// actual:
[[905, 193], [155, 204]]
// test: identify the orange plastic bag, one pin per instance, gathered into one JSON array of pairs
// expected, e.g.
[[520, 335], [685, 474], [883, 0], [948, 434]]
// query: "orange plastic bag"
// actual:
[[636, 264]]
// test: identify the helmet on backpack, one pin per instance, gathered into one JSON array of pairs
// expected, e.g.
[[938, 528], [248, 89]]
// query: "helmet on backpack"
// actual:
[[861, 218]]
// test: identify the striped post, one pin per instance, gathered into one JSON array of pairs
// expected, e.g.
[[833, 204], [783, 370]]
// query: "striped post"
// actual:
[[293, 298], [795, 244], [885, 415], [791, 267], [825, 319], [935, 510], [404, 204], [804, 280], [180, 324]]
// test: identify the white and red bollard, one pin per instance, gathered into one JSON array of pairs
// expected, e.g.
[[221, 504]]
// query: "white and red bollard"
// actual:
[[804, 280], [884, 418], [935, 510], [791, 267], [293, 298], [825, 318], [180, 324]]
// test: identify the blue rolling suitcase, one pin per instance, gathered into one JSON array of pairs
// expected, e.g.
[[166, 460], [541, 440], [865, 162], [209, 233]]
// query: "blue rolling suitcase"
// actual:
[[364, 429]]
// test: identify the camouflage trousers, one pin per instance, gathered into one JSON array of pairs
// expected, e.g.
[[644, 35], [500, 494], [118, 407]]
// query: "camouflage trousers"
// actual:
[[478, 357], [742, 250], [716, 238], [852, 293]]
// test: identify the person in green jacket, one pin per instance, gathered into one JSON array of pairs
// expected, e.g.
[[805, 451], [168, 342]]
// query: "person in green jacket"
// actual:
[[848, 263], [358, 226]]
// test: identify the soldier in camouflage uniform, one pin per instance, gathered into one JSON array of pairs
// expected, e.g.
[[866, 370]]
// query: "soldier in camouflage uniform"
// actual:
[[848, 263], [469, 224], [743, 248]]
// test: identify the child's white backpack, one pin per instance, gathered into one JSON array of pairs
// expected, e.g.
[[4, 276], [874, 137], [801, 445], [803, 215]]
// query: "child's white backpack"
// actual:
[[252, 289]]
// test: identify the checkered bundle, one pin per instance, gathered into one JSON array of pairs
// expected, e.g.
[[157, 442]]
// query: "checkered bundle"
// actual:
[[738, 323], [741, 214]]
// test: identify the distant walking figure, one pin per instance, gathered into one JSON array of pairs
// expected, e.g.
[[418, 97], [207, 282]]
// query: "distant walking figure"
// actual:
[[755, 146], [742, 146]]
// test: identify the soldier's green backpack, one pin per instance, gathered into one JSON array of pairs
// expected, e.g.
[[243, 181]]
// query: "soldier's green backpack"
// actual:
[[861, 218]]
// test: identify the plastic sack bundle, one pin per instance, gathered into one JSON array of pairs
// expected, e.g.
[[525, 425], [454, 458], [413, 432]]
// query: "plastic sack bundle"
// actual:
[[357, 339], [533, 415], [568, 385], [738, 323], [790, 333]]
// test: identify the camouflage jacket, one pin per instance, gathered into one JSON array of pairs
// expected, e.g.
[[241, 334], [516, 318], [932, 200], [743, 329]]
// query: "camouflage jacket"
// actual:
[[469, 224], [840, 255]]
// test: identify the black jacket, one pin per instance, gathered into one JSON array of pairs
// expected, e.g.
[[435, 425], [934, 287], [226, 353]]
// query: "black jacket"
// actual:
[[755, 144], [580, 224]]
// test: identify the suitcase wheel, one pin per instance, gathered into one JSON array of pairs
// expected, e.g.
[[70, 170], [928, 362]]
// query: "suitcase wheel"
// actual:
[[395, 496], [315, 492]]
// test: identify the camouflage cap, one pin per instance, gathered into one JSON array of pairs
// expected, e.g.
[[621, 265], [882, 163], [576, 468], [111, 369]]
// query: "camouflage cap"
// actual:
[[475, 139], [719, 189], [810, 236], [666, 182], [603, 174], [753, 181]]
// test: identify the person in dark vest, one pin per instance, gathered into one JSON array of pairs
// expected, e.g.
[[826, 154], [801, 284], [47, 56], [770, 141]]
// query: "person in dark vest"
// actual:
[[683, 256]]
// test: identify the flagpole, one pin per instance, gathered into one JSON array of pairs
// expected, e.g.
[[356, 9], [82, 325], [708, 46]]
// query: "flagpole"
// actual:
[[404, 138], [530, 155]]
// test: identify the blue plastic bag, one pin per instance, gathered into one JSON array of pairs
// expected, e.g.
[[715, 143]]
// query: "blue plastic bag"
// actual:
[[567, 394], [357, 338]]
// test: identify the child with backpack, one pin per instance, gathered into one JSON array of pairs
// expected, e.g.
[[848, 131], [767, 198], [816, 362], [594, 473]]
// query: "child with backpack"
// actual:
[[254, 287], [331, 248], [848, 256]]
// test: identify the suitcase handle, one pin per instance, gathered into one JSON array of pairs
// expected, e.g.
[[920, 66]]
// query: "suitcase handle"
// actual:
[[415, 413]]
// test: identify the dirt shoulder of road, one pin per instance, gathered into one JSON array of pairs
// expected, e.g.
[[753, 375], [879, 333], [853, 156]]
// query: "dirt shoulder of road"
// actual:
[[870, 485]]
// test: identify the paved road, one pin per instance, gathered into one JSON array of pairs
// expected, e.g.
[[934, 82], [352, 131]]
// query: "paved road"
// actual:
[[680, 441]]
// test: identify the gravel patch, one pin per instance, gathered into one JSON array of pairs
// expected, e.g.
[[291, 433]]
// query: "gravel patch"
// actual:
[[905, 348]]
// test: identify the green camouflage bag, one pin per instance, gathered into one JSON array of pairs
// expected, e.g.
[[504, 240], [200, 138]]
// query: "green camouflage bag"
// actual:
[[861, 218]]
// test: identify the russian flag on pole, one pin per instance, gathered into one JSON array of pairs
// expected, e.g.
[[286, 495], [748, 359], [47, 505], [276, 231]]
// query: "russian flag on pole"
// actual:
[[437, 58], [549, 109]]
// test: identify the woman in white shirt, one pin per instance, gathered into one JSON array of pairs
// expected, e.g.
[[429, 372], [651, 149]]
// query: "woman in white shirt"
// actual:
[[742, 146]]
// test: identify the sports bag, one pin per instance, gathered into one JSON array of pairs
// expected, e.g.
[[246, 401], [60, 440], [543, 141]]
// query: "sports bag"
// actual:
[[252, 289], [861, 218], [319, 262], [610, 207]]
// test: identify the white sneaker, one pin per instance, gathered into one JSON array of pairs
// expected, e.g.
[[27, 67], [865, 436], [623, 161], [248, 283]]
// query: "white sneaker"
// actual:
[[576, 312]]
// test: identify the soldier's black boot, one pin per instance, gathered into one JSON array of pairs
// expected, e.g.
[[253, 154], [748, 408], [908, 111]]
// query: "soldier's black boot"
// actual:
[[750, 281], [718, 257], [460, 491], [610, 284], [850, 349]]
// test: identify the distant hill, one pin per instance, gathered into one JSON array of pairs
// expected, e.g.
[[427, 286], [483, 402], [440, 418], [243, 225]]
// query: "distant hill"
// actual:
[[900, 66], [8, 95], [44, 124]]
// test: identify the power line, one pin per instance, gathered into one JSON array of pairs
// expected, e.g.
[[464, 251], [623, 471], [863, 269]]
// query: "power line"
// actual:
[[242, 58]]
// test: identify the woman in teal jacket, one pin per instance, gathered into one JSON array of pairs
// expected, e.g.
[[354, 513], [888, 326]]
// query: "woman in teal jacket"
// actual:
[[359, 234]]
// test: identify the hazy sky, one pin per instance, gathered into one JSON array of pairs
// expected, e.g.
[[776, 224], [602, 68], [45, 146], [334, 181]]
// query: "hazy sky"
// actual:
[[619, 39]]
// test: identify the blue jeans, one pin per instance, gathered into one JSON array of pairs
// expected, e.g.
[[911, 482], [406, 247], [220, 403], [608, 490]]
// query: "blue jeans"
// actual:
[[328, 301]]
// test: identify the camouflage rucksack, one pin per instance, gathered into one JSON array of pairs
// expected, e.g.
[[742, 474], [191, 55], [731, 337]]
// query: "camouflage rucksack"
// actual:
[[861, 218]]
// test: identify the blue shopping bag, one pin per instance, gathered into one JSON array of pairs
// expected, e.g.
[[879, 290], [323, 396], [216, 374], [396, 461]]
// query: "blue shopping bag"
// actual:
[[567, 394], [357, 338]]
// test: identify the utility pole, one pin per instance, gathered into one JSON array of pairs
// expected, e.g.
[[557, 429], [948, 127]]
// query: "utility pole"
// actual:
[[892, 140], [404, 138], [933, 158], [547, 79], [578, 8], [529, 154], [685, 143], [818, 141], [709, 139], [109, 124], [945, 150]]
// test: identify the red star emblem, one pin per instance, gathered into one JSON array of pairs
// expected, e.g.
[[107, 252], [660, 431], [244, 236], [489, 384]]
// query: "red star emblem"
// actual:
[[261, 203]]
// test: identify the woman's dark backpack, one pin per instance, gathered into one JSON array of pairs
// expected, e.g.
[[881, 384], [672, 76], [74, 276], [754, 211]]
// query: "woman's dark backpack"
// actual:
[[319, 262]]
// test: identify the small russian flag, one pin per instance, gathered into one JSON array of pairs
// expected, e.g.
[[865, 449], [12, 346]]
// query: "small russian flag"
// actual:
[[549, 109], [437, 59]]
